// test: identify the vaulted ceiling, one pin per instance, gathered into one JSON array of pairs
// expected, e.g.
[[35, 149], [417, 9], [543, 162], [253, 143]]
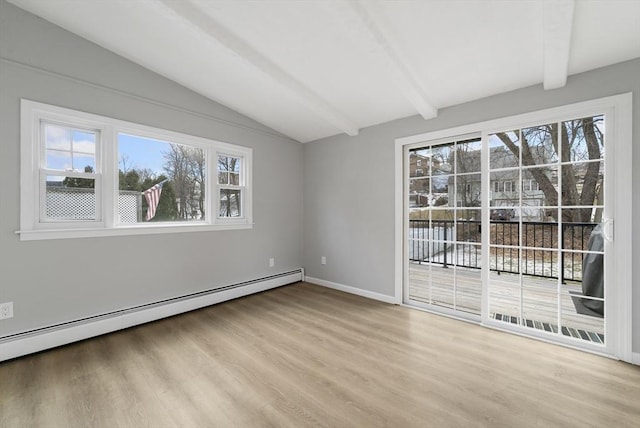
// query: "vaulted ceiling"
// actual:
[[316, 68]]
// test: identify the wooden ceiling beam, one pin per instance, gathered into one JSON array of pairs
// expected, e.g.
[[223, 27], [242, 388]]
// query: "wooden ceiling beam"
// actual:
[[186, 10], [402, 72], [557, 29]]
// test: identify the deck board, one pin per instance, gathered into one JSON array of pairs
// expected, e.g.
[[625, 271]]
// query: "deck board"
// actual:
[[432, 283]]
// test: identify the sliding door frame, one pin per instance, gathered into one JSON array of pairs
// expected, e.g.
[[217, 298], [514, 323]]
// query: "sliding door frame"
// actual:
[[618, 136], [453, 311]]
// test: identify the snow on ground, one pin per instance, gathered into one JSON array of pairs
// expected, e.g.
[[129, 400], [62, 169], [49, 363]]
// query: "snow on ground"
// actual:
[[470, 255]]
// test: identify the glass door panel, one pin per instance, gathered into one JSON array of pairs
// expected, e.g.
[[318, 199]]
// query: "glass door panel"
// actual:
[[545, 206], [444, 233]]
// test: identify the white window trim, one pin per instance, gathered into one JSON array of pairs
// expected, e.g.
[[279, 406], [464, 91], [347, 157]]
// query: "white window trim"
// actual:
[[619, 132], [245, 178], [31, 158]]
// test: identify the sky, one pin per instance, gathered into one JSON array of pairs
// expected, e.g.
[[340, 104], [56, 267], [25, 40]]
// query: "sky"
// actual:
[[68, 149], [141, 152], [72, 149]]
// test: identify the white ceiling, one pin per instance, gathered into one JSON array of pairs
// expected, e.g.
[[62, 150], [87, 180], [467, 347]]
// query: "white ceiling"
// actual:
[[312, 69]]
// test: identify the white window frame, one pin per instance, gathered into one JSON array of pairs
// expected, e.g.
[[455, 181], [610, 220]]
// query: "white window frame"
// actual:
[[245, 169], [530, 185], [39, 160], [618, 113], [32, 158], [508, 184]]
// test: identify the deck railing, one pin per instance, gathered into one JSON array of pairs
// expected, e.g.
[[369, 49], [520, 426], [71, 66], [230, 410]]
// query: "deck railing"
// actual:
[[537, 255]]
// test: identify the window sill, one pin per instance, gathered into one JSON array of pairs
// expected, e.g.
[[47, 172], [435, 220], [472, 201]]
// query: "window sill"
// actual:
[[44, 234]]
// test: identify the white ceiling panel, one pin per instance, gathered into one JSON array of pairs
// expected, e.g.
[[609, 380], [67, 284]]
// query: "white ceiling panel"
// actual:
[[324, 46], [604, 32], [468, 50], [312, 69]]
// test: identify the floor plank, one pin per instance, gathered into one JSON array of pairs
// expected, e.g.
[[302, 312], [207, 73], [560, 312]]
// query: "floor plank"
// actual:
[[304, 355]]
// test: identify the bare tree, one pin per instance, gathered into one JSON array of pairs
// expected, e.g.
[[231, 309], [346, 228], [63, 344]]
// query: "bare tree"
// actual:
[[185, 167], [124, 163], [197, 166], [573, 141], [177, 168], [146, 174]]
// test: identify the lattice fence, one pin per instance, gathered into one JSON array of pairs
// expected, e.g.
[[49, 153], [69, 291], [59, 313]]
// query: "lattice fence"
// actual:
[[71, 204], [63, 203], [129, 205]]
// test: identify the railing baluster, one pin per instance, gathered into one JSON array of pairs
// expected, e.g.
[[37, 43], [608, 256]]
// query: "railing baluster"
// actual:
[[432, 247], [562, 253], [445, 245]]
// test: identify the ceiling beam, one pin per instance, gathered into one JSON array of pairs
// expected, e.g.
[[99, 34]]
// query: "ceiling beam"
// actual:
[[557, 27], [185, 10], [402, 72]]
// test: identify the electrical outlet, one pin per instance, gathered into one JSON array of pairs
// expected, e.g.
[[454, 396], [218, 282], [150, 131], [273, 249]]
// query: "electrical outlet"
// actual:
[[6, 310], [323, 260], [272, 262]]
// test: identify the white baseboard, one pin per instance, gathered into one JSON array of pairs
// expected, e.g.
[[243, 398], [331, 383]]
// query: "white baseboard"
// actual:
[[50, 337], [635, 358], [352, 290]]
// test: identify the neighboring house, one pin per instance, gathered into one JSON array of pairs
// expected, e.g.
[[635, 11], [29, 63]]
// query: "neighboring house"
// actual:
[[506, 192], [429, 180], [517, 199]]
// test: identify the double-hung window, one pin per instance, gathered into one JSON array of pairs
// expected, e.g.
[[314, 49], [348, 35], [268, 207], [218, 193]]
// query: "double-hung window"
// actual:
[[231, 186], [87, 175], [69, 177]]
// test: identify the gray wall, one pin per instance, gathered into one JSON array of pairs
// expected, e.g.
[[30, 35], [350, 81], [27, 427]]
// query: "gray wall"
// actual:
[[60, 280], [348, 184], [349, 181]]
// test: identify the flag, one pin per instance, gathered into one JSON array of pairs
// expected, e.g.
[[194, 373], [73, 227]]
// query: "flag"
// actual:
[[152, 195]]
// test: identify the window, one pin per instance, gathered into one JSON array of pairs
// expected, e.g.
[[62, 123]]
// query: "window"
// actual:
[[87, 175], [173, 173], [68, 174], [230, 190], [530, 185], [503, 186], [419, 162]]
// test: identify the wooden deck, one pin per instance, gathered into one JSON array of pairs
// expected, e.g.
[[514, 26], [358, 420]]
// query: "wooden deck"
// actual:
[[434, 284]]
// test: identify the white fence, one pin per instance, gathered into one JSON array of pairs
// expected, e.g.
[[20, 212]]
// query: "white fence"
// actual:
[[427, 242], [75, 203]]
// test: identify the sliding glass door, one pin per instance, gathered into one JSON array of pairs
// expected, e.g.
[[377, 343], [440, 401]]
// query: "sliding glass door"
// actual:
[[512, 226]]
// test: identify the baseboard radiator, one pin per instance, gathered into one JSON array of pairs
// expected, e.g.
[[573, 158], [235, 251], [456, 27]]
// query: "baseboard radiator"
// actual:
[[36, 340]]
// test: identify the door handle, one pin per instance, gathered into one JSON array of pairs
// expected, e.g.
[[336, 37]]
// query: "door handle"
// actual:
[[607, 229]]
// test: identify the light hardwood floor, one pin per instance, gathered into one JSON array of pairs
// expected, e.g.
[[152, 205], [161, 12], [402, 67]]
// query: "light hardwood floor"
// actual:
[[303, 355]]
